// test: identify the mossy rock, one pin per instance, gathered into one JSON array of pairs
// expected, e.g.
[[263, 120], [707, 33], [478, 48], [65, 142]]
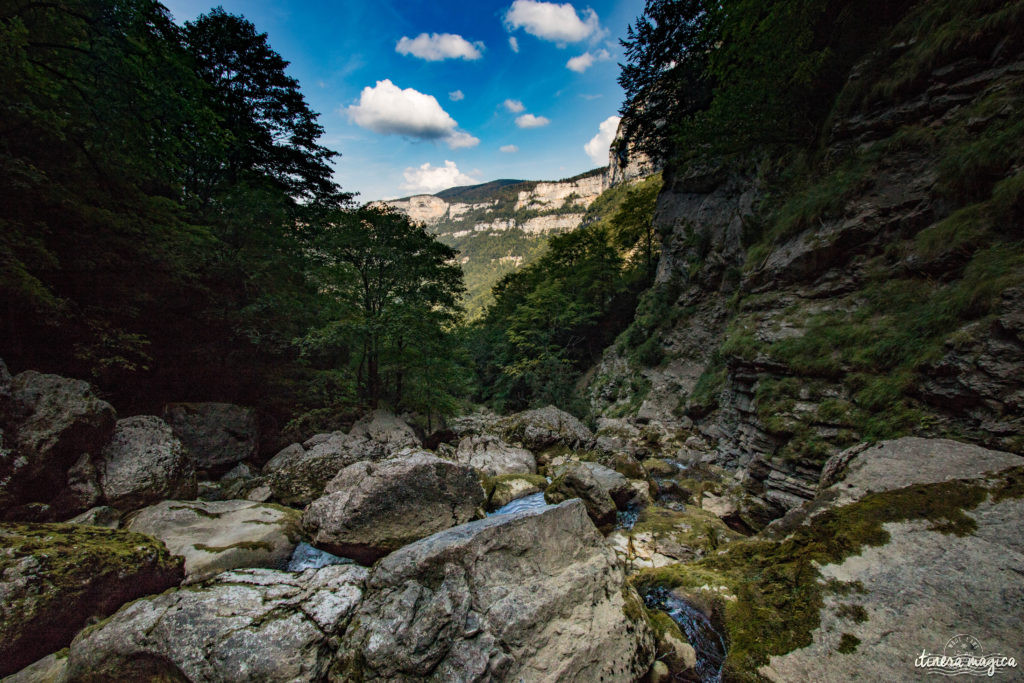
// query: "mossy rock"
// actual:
[[656, 467], [59, 576], [771, 592]]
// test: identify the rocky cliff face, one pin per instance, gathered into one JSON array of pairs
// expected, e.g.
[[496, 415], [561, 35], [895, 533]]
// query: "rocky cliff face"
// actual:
[[877, 295], [504, 225]]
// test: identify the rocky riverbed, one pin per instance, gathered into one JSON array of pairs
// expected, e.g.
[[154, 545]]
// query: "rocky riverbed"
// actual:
[[522, 547]]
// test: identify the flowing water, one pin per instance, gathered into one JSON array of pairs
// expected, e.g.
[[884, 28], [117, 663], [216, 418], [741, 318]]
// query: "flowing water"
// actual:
[[532, 502], [307, 557], [706, 641]]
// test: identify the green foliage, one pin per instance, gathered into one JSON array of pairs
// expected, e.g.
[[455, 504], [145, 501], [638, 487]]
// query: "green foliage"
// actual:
[[552, 319], [394, 296]]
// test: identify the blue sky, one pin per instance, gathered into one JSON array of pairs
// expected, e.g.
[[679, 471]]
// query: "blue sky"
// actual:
[[371, 67]]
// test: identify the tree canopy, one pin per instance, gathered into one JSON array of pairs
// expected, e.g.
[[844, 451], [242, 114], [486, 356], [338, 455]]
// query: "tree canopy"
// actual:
[[171, 230]]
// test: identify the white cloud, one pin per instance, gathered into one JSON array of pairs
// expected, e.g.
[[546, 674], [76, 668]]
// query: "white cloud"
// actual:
[[456, 95], [427, 178], [586, 60], [508, 149], [437, 46], [531, 121], [551, 21], [597, 148], [387, 109], [459, 139], [513, 43], [514, 106]]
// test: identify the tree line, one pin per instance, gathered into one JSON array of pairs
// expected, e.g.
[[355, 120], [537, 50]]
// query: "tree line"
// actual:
[[170, 228]]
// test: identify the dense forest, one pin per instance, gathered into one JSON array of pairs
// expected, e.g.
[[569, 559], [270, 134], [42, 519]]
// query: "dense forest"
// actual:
[[171, 228]]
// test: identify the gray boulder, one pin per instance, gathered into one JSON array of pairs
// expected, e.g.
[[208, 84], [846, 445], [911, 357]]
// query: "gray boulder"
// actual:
[[386, 429], [56, 577], [534, 596], [218, 435], [604, 491], [145, 463], [491, 456], [214, 536], [103, 516], [51, 422], [283, 457], [545, 428], [246, 625], [371, 509], [301, 478]]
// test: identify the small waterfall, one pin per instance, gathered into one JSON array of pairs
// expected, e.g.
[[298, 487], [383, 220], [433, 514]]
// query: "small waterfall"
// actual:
[[706, 641]]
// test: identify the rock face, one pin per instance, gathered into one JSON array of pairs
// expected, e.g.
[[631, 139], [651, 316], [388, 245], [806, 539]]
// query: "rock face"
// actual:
[[371, 509], [298, 476], [51, 423], [214, 536], [245, 625], [58, 576], [492, 457], [145, 463], [533, 596], [924, 585], [604, 491], [218, 435], [548, 427]]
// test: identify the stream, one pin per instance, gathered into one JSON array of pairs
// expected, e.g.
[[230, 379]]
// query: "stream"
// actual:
[[706, 641]]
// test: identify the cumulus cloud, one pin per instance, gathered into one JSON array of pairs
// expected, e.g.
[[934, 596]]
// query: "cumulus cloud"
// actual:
[[508, 149], [456, 95], [514, 106], [387, 109], [586, 60], [435, 47], [459, 139], [552, 21], [513, 43], [428, 178], [597, 148], [531, 121]]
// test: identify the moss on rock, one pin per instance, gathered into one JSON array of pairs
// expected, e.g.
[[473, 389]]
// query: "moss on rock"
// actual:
[[771, 592], [58, 576]]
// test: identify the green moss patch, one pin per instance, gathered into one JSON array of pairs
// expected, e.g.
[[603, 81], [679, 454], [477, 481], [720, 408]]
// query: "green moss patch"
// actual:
[[773, 591]]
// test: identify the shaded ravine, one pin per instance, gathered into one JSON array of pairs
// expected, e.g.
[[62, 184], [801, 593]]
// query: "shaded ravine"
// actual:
[[706, 641]]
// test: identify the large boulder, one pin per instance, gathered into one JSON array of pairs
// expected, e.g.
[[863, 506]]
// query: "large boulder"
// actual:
[[56, 577], [546, 428], [245, 625], [371, 509], [214, 536], [145, 463], [51, 423], [491, 456], [534, 596], [386, 429], [300, 478], [603, 490], [218, 435]]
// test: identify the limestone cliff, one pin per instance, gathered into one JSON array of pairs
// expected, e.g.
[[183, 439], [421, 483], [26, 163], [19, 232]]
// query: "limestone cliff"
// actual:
[[504, 225], [869, 289]]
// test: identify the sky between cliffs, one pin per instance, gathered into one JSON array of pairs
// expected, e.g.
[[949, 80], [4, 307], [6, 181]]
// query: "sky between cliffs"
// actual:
[[421, 96]]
